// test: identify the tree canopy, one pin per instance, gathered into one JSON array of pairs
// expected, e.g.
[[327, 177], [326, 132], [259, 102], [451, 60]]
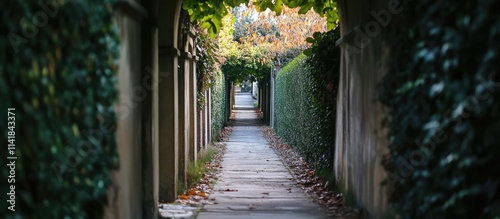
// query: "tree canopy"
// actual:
[[252, 42], [211, 13]]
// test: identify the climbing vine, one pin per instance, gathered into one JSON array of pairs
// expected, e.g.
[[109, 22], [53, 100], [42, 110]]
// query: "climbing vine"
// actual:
[[324, 67], [444, 118], [208, 63]]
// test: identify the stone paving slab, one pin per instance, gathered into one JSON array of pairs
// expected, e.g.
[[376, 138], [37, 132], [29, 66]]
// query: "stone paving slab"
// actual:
[[254, 183]]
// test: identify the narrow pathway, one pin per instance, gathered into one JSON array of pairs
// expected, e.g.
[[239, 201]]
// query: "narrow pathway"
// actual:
[[254, 183]]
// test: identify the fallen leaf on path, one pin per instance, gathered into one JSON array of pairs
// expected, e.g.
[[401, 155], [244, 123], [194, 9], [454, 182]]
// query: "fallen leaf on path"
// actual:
[[305, 176], [230, 190], [198, 194], [191, 192]]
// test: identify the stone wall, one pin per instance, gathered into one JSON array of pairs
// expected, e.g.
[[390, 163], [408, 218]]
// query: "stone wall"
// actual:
[[360, 139], [126, 196], [157, 125]]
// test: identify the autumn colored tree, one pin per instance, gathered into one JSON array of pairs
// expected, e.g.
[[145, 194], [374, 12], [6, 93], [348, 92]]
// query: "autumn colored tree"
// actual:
[[252, 41], [240, 60], [211, 13], [283, 36]]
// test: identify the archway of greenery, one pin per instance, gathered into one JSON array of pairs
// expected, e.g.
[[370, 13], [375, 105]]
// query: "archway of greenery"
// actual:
[[254, 36], [211, 13]]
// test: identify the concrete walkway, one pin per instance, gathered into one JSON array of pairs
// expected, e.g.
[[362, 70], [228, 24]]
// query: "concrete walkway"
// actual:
[[254, 184], [244, 101]]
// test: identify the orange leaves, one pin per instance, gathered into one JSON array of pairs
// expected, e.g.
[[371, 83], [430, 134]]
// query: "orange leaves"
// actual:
[[278, 34], [192, 192], [318, 189]]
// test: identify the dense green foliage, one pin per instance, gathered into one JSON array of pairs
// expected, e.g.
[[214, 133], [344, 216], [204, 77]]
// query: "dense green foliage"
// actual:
[[261, 40], [58, 72], [442, 90], [324, 65], [211, 13], [306, 96], [218, 100], [241, 61], [247, 64], [207, 65], [209, 76], [295, 121]]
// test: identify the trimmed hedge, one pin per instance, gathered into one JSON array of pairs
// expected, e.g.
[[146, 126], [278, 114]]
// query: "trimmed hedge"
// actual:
[[295, 121], [306, 98], [444, 119], [58, 72], [218, 100]]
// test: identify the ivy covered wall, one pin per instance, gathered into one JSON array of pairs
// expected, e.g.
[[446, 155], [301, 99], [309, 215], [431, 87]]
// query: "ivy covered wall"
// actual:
[[58, 72], [444, 119]]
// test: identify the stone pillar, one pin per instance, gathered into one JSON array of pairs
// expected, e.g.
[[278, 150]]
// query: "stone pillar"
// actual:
[[183, 78], [199, 130], [209, 116], [263, 100], [201, 126], [129, 121], [261, 96], [149, 105], [205, 121], [193, 116], [168, 121]]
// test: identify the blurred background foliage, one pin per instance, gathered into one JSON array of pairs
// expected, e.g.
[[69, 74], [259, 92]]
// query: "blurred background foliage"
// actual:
[[444, 115], [58, 72]]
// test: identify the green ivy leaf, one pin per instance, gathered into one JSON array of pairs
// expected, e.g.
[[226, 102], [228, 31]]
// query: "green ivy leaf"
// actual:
[[305, 8], [278, 7], [308, 52], [310, 40]]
